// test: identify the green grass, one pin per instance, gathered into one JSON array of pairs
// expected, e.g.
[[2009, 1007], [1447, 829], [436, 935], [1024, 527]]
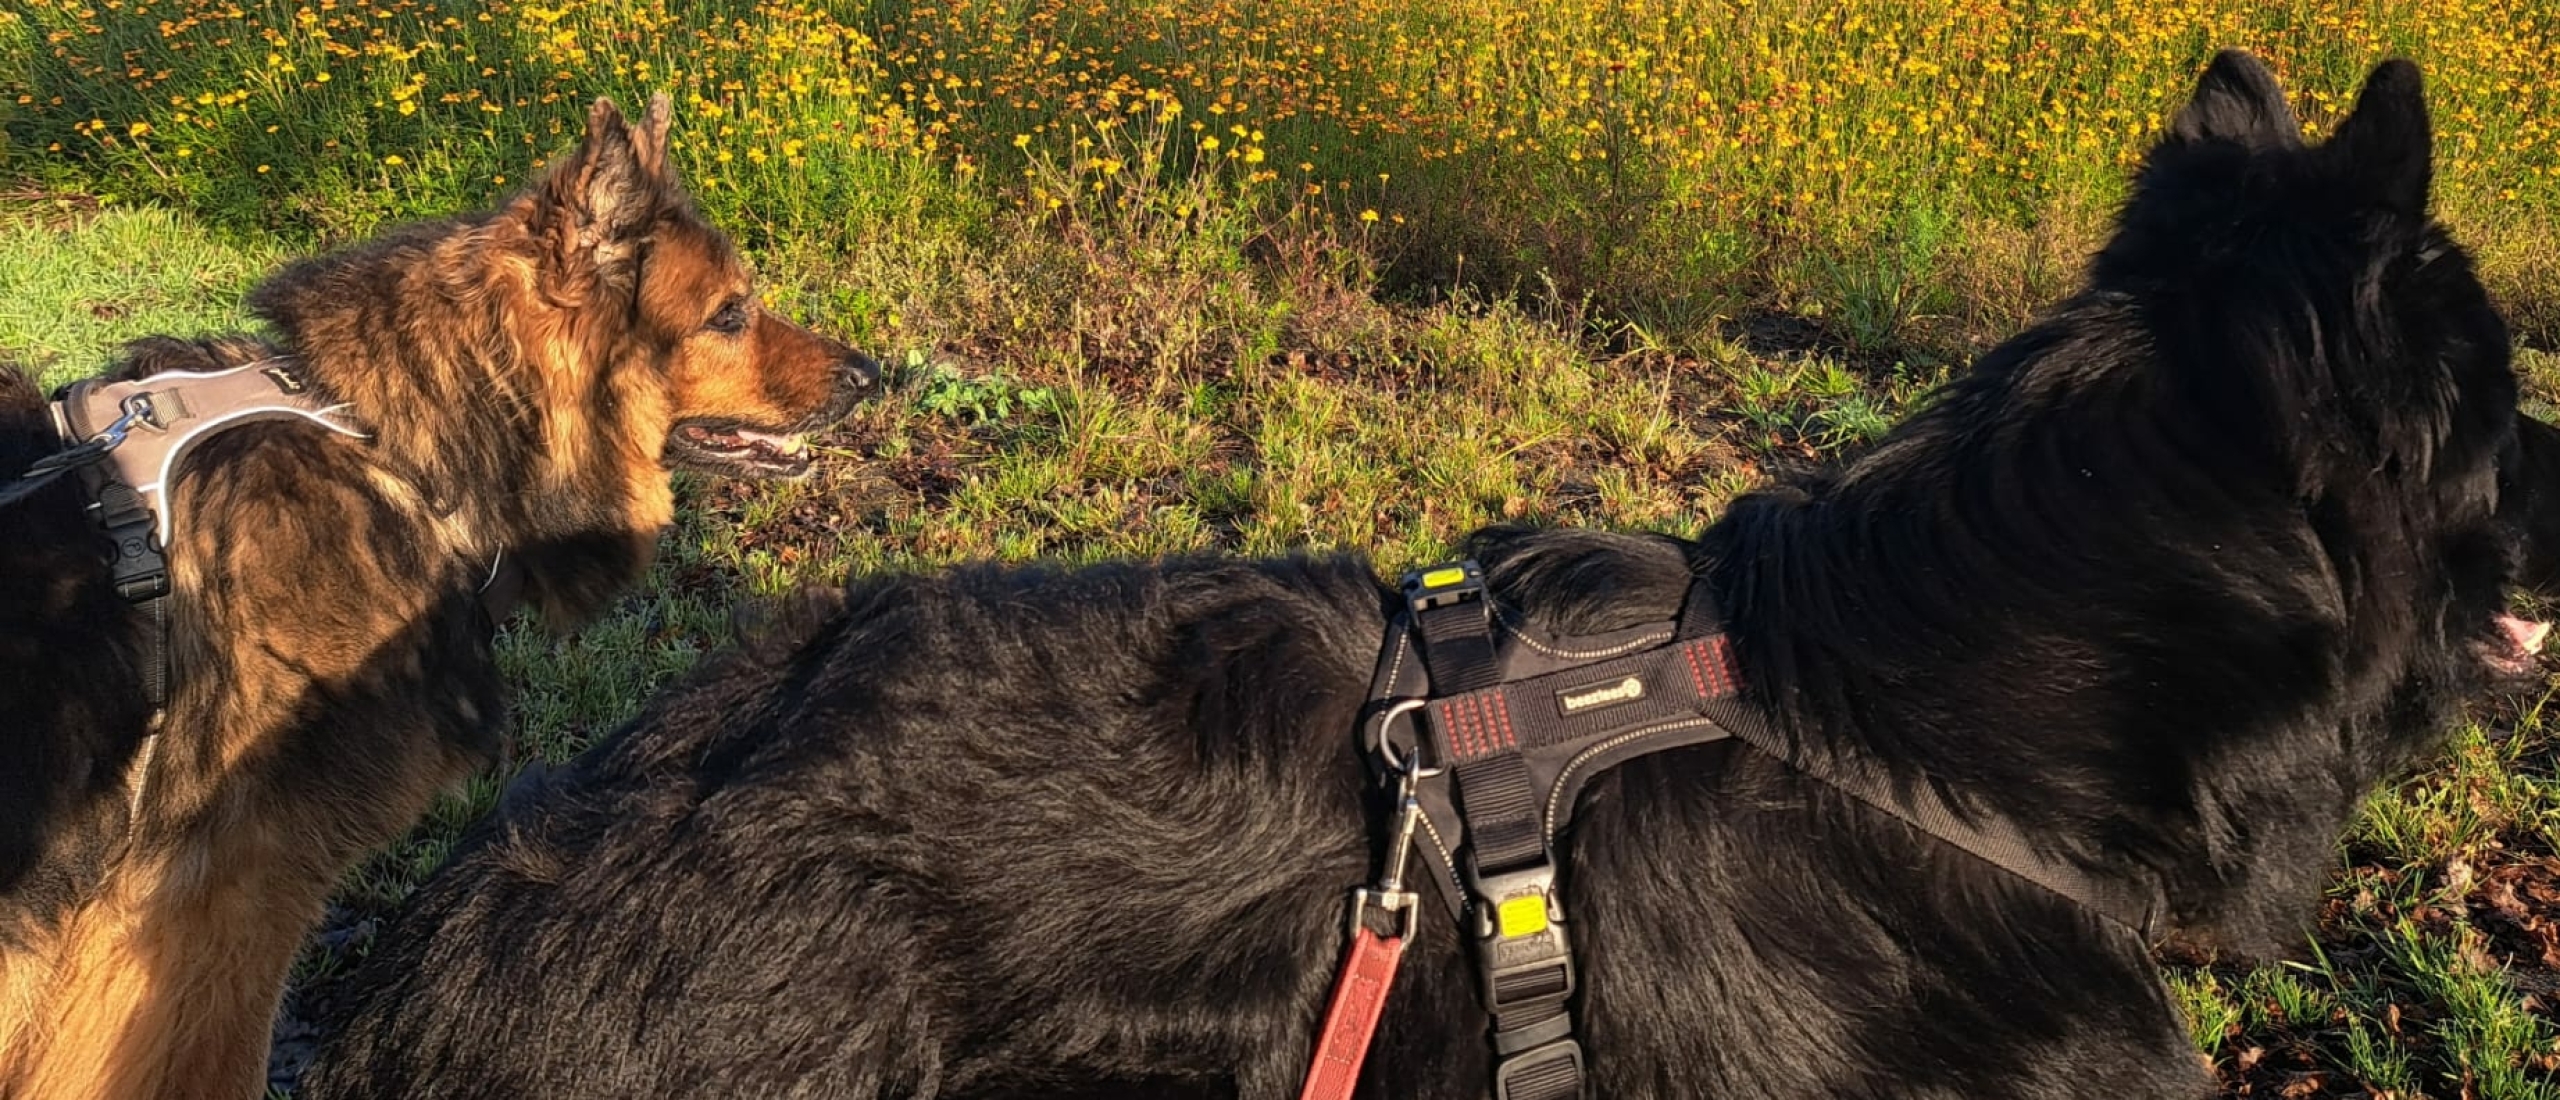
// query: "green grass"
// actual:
[[1115, 339], [68, 297], [1393, 269], [2427, 974]]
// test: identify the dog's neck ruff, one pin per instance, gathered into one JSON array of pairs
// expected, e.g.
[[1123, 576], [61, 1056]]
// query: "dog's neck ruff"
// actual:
[[1492, 728]]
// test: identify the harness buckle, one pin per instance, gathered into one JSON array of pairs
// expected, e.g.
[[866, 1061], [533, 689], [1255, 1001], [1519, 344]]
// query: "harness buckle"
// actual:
[[1525, 967], [140, 568], [1527, 962], [1444, 585], [1550, 1069]]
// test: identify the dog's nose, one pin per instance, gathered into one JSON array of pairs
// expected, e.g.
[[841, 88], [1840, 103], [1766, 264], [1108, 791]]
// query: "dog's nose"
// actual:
[[858, 371]]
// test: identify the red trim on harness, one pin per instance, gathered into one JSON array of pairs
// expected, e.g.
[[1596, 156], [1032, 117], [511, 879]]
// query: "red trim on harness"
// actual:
[[1711, 666], [1359, 997], [1479, 725]]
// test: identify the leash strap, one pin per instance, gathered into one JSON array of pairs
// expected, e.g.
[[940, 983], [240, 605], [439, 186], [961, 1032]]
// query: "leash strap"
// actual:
[[1360, 991], [1359, 998], [45, 471]]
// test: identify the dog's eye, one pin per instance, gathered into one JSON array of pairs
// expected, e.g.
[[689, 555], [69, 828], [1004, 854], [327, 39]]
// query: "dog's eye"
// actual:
[[732, 318]]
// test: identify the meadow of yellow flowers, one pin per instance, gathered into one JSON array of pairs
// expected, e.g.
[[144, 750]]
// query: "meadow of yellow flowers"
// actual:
[[1704, 146]]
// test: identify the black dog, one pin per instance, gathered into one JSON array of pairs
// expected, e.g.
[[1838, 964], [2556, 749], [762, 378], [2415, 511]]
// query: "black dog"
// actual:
[[2167, 583]]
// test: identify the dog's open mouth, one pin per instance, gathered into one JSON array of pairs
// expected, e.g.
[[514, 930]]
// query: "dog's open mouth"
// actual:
[[728, 447], [2516, 644]]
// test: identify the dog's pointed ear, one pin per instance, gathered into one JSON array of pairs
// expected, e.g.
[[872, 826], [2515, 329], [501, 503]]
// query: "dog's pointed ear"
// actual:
[[2237, 100], [603, 198], [2387, 144], [649, 138]]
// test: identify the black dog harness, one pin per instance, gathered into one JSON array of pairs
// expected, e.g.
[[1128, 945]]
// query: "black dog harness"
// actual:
[[1490, 728]]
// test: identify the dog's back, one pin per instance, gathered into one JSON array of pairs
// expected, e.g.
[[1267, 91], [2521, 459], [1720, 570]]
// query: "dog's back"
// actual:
[[731, 802]]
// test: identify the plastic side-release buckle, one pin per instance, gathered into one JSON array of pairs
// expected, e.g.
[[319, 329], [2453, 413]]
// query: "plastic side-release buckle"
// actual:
[[140, 568], [1443, 585], [1520, 938]]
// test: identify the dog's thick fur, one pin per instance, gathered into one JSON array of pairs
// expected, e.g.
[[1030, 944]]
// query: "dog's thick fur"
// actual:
[[519, 375], [2169, 580]]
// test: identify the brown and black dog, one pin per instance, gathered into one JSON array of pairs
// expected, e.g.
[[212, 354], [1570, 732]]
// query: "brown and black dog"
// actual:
[[524, 379]]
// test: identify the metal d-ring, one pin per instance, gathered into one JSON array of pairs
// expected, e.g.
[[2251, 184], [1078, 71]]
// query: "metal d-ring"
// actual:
[[1409, 768]]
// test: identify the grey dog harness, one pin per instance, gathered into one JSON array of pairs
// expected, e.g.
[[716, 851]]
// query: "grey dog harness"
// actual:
[[126, 439], [173, 410]]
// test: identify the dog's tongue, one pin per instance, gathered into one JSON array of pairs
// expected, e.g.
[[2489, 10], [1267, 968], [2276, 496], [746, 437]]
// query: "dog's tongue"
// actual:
[[2525, 634]]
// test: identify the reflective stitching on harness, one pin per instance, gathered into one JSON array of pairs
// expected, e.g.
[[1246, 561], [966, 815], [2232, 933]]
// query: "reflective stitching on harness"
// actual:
[[169, 460], [1457, 882], [1512, 625], [1564, 779], [280, 394], [141, 773], [1711, 666], [1479, 725]]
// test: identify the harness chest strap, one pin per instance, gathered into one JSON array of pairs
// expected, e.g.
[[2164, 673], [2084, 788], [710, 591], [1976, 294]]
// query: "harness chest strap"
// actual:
[[1521, 732]]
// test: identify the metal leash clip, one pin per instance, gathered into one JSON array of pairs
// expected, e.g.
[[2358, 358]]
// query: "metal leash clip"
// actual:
[[43, 471], [1389, 895]]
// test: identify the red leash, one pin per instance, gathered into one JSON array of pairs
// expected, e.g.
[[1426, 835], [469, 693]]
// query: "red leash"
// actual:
[[1360, 991], [1359, 997]]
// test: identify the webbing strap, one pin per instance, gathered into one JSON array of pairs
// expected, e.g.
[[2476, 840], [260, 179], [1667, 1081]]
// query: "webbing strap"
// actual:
[[1989, 838], [1455, 620], [138, 571], [1524, 960], [1501, 812]]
